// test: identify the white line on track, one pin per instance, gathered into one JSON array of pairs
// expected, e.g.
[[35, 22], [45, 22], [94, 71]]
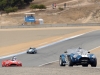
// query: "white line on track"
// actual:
[[94, 48], [48, 63], [63, 40], [2, 57], [50, 45], [46, 45], [12, 55]]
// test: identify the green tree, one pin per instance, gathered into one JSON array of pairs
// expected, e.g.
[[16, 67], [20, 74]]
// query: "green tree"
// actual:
[[28, 1], [13, 3]]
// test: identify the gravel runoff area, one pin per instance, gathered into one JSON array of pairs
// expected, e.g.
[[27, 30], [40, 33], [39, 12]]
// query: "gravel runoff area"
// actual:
[[52, 69], [17, 40]]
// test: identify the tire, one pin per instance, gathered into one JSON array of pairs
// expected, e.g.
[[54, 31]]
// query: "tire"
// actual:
[[35, 52], [3, 66], [85, 65], [70, 63], [94, 64], [61, 62]]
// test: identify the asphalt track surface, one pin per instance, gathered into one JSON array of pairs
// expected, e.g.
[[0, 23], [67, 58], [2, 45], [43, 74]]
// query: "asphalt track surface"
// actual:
[[52, 52]]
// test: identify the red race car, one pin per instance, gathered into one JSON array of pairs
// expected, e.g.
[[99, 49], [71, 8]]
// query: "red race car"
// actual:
[[11, 63]]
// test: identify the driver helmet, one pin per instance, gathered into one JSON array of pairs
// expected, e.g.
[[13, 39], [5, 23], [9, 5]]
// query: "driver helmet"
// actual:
[[30, 48], [79, 49], [14, 58]]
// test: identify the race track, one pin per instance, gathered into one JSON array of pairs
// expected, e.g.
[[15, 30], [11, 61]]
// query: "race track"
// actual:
[[51, 53]]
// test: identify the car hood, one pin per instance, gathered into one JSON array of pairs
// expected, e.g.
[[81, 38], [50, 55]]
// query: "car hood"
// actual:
[[30, 50], [10, 61]]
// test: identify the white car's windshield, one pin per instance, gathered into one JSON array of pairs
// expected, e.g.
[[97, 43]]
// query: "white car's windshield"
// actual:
[[77, 51]]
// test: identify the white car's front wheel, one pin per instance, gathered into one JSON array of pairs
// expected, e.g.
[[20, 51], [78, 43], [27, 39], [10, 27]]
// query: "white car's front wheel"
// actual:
[[61, 62]]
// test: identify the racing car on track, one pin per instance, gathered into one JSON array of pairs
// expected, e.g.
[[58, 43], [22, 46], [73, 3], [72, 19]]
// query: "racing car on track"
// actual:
[[11, 63], [78, 57], [32, 51]]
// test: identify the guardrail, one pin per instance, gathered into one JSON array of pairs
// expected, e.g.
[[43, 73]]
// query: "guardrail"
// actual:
[[50, 25]]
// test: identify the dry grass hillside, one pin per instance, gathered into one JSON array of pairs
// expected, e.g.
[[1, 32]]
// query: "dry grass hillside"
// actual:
[[77, 11]]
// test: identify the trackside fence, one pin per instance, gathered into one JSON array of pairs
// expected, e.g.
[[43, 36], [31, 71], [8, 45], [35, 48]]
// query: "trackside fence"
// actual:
[[50, 25]]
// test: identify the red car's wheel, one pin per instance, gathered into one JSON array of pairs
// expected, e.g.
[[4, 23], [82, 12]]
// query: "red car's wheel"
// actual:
[[3, 66], [7, 65]]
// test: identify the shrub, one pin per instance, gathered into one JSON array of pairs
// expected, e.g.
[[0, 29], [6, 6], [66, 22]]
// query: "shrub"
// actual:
[[38, 6], [14, 9], [61, 8], [42, 6], [10, 9], [34, 6], [7, 10]]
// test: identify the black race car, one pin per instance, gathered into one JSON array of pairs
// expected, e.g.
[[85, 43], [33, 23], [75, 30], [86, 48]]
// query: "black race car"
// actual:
[[32, 51]]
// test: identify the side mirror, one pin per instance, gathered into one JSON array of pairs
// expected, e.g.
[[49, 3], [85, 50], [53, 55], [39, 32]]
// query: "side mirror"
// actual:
[[65, 52], [88, 52]]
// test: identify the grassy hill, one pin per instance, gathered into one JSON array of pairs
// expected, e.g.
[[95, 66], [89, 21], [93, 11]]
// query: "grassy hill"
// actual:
[[77, 11]]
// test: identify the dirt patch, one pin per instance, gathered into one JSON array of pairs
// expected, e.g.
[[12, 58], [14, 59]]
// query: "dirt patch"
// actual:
[[77, 11], [36, 43], [47, 2], [49, 71]]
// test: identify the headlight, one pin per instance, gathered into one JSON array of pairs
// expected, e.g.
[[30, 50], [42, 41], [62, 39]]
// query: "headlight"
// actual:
[[93, 56], [75, 56]]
